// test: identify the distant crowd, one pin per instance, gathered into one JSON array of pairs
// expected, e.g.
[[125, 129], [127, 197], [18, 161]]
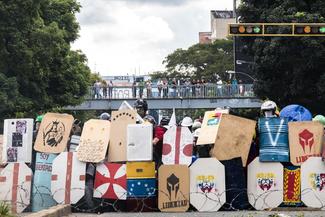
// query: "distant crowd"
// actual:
[[164, 88]]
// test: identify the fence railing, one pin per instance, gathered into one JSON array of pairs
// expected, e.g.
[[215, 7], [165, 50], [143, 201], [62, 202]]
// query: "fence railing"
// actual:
[[184, 91]]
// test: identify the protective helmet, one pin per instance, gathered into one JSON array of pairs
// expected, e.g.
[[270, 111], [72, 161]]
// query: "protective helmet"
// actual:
[[39, 118], [268, 106], [105, 116], [150, 119], [164, 121], [196, 125], [187, 122], [141, 103], [319, 118], [197, 133]]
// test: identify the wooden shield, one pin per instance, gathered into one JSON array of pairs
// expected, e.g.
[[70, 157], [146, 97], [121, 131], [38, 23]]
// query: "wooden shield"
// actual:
[[174, 186], [209, 128], [313, 182], [15, 186], [119, 122], [17, 140], [41, 193], [139, 142], [94, 141], [110, 181], [234, 138], [54, 132], [207, 184], [178, 146], [265, 184], [68, 178], [140, 170], [305, 140]]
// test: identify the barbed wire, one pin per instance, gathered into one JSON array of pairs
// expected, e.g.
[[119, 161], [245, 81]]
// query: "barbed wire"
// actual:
[[148, 203]]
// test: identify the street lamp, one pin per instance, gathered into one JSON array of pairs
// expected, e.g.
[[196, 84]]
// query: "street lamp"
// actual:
[[243, 73]]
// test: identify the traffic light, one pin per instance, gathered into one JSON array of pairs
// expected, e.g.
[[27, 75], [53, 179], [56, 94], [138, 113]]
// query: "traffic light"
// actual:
[[309, 29], [246, 29]]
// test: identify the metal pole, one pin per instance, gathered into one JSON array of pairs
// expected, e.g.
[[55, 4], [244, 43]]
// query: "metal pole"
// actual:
[[234, 38]]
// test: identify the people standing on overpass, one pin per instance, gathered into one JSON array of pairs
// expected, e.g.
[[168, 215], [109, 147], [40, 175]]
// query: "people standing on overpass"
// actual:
[[141, 86], [97, 89], [110, 89], [149, 88], [160, 87], [104, 88], [134, 89]]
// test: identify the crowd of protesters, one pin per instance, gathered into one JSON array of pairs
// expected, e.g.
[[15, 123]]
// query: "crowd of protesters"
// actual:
[[170, 88]]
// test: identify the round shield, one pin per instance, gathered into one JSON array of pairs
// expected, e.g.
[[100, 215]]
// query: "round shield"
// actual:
[[207, 184], [296, 113], [313, 182], [265, 184]]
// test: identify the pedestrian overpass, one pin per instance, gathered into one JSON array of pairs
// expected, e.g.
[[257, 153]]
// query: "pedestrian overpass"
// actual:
[[180, 97]]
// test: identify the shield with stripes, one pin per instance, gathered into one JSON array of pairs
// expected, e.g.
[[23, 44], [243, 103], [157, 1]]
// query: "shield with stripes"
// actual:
[[68, 178], [178, 146], [15, 186]]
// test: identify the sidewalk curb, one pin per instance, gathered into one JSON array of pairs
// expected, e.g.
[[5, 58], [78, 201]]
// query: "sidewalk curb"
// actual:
[[55, 211]]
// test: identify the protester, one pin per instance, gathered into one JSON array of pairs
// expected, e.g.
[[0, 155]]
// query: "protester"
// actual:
[[110, 89]]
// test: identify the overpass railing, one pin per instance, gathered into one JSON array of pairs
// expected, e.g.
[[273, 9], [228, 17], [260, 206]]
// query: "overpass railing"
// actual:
[[184, 91]]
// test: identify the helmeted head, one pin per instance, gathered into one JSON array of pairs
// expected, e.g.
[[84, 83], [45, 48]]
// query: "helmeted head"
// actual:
[[105, 116], [268, 108], [196, 125], [141, 106], [150, 119], [187, 122], [164, 121]]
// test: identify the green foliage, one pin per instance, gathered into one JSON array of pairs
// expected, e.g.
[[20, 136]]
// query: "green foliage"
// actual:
[[5, 210], [36, 60], [289, 69], [199, 61]]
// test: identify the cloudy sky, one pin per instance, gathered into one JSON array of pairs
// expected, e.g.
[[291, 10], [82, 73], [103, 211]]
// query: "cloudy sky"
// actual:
[[123, 37]]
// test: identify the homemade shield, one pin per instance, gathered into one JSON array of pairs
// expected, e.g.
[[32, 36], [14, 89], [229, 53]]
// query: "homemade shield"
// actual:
[[234, 138], [141, 188], [94, 141], [68, 178], [305, 140], [209, 128], [41, 194], [291, 186], [54, 132], [110, 181], [139, 142], [265, 184], [119, 122], [173, 190], [140, 170], [1, 149], [274, 142], [15, 186], [313, 182], [177, 146], [17, 140], [207, 184]]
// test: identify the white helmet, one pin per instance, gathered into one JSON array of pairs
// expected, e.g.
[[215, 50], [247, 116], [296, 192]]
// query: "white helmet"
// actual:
[[268, 106], [196, 125], [187, 122], [197, 133]]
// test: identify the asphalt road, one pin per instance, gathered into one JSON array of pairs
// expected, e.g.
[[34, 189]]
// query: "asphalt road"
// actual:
[[213, 214]]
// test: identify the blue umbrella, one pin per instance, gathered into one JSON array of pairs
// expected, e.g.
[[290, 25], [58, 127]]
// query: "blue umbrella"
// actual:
[[296, 113]]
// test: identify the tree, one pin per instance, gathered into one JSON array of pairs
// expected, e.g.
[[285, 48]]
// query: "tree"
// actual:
[[36, 59], [206, 61], [288, 69]]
